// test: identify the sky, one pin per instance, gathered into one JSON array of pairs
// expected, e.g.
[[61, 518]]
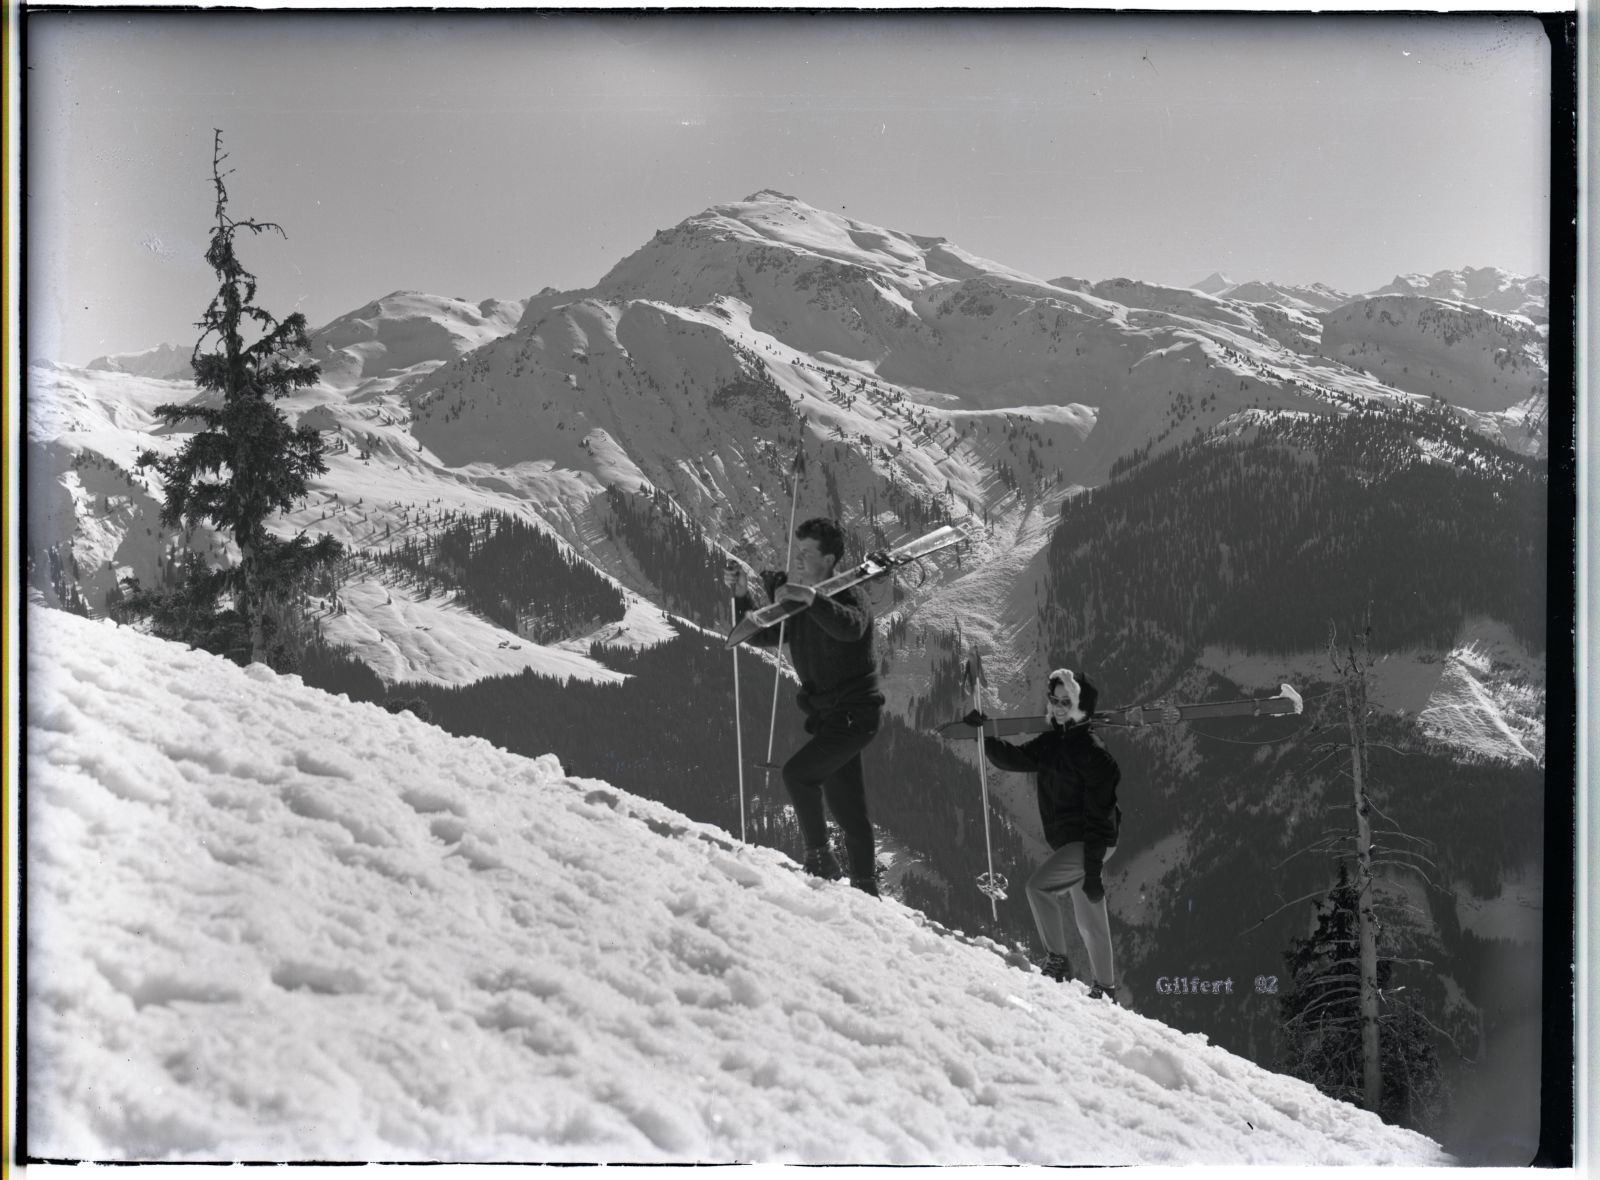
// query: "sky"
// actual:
[[497, 154], [268, 923]]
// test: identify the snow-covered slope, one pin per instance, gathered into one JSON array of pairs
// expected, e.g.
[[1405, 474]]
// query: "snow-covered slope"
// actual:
[[86, 501], [1476, 359], [266, 923], [94, 516]]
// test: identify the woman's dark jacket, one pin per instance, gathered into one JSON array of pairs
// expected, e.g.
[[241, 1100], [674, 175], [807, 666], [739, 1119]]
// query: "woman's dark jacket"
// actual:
[[1077, 783], [831, 644]]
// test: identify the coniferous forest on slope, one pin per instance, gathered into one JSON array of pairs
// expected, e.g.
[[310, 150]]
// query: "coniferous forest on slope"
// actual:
[[673, 552], [510, 572], [1258, 542]]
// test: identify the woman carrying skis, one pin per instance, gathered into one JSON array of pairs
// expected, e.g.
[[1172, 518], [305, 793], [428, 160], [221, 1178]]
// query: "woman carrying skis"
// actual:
[[1077, 786]]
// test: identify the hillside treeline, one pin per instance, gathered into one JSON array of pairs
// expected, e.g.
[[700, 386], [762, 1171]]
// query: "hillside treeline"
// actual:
[[1257, 543], [673, 553], [949, 695], [667, 733], [511, 572]]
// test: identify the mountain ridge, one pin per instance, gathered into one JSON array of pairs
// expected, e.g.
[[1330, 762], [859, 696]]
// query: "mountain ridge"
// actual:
[[559, 396]]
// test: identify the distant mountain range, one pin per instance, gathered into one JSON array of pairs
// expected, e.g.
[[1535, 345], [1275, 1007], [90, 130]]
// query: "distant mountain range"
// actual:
[[165, 362], [1317, 297], [1487, 287]]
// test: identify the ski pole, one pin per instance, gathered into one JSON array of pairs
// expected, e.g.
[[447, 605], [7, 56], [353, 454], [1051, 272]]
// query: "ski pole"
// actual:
[[777, 668], [772, 723], [983, 782], [992, 886], [738, 724]]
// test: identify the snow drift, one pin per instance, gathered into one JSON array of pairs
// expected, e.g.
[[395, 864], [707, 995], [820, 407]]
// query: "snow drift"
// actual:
[[268, 923]]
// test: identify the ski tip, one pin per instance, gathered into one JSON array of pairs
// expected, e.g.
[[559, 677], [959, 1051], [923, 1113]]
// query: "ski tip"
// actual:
[[1288, 692]]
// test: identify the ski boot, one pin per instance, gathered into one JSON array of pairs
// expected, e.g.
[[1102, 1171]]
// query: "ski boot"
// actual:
[[819, 862], [1057, 967], [867, 884], [1103, 991]]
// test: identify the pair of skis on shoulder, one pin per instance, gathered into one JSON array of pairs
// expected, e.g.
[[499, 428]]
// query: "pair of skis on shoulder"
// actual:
[[1286, 703], [872, 566]]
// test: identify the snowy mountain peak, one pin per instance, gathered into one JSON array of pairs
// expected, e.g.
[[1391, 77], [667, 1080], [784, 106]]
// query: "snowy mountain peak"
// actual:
[[406, 333], [1213, 283], [724, 247], [771, 194], [1314, 298], [404, 303]]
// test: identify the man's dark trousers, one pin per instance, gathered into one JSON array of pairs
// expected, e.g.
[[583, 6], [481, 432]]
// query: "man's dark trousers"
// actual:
[[829, 767]]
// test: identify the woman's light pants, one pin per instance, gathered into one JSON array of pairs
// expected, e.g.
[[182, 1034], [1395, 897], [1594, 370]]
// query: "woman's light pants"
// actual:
[[1057, 883]]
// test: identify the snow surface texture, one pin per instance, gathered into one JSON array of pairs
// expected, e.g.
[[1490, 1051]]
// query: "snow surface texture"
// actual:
[[268, 923]]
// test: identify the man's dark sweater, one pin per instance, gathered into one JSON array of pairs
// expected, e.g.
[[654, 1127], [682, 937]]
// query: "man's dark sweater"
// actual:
[[831, 644]]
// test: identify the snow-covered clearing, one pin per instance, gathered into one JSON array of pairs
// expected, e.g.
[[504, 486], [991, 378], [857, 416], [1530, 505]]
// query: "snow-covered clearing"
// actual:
[[268, 923], [404, 637]]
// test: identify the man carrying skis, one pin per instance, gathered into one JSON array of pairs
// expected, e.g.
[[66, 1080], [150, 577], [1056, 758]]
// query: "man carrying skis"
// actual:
[[1077, 787], [831, 645]]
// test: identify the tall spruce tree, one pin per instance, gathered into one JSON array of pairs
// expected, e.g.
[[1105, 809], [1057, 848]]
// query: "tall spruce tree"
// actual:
[[1320, 1021], [246, 461]]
